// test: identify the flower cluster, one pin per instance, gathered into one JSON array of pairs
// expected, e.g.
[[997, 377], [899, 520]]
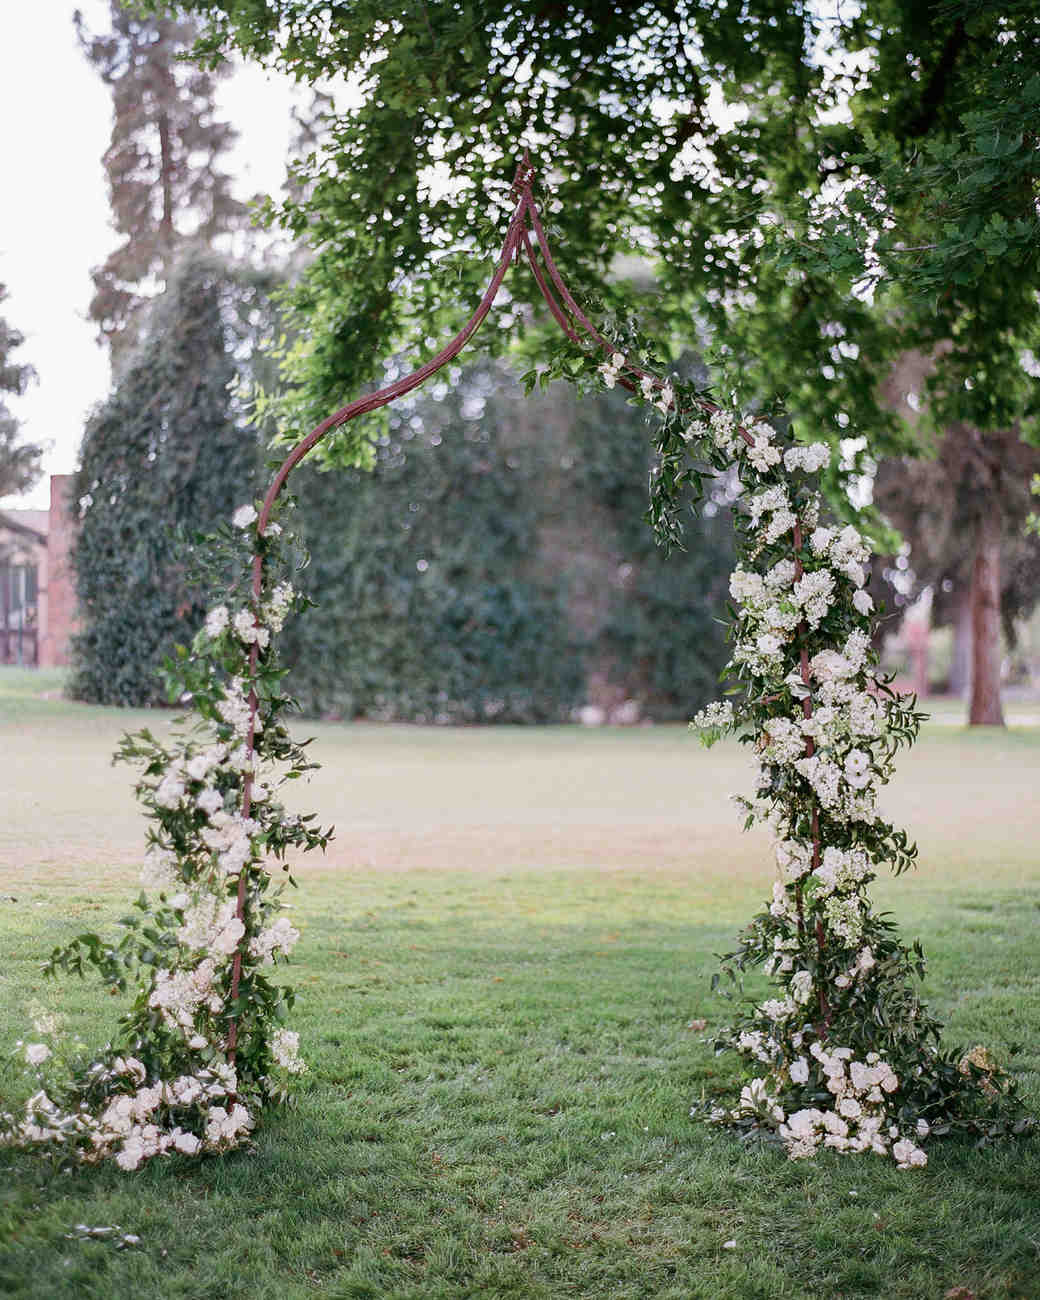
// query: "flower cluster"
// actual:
[[843, 1054], [187, 1075]]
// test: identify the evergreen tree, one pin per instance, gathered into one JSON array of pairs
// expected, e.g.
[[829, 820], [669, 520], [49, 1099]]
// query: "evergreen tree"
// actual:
[[163, 162], [165, 456], [19, 461]]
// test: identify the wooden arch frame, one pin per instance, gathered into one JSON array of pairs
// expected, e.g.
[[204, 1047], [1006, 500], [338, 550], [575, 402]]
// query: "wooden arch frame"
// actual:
[[524, 233]]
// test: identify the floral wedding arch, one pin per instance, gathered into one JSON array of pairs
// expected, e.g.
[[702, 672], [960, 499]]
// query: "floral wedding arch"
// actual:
[[843, 1056]]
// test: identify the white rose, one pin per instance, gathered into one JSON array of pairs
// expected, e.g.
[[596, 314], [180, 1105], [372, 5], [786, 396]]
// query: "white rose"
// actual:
[[244, 516], [186, 1142]]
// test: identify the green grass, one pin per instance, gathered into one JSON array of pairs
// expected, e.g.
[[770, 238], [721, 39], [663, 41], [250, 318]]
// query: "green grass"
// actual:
[[501, 954]]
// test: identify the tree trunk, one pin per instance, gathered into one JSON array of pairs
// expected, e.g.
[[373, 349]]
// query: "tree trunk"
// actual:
[[166, 233], [986, 709], [960, 663]]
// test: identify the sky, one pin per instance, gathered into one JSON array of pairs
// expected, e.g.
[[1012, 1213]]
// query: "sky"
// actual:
[[54, 217]]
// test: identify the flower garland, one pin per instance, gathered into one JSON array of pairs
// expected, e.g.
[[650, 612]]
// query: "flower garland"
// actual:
[[202, 1048], [844, 1056]]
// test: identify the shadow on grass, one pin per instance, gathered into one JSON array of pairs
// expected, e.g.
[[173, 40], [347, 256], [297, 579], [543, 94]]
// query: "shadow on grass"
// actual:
[[498, 1106]]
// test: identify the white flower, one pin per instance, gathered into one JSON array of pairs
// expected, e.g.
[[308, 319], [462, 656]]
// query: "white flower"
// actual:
[[170, 790], [781, 575], [814, 592], [227, 940], [210, 801], [908, 1155], [812, 458], [188, 1143], [244, 516], [37, 1053], [857, 768], [778, 1008], [131, 1155], [278, 606], [285, 1048], [785, 743], [249, 630], [863, 601], [782, 522], [724, 431], [763, 455], [216, 620], [280, 937], [801, 986], [820, 540], [799, 1070], [864, 715], [747, 588], [771, 500], [717, 714]]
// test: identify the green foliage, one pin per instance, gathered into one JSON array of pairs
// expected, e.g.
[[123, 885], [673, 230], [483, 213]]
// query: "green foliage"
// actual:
[[494, 567], [165, 456], [19, 461]]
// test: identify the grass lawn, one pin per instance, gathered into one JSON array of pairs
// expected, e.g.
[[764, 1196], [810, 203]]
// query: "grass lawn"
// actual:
[[501, 954]]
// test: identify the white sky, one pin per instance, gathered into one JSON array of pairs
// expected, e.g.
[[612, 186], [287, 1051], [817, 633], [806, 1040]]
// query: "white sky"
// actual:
[[54, 217]]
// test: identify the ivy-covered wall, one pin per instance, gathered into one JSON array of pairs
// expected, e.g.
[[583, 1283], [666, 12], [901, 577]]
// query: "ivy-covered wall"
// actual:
[[164, 456], [495, 566]]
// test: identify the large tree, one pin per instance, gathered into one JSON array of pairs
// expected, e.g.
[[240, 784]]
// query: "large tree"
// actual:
[[164, 161], [168, 454], [964, 507], [19, 460], [820, 190]]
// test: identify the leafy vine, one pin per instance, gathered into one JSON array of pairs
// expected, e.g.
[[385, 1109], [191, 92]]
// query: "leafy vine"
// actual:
[[203, 1046]]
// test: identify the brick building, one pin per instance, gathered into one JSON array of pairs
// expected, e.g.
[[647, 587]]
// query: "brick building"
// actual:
[[37, 584]]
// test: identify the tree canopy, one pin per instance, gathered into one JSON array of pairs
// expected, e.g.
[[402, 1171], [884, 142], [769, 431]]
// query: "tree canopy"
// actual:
[[767, 157]]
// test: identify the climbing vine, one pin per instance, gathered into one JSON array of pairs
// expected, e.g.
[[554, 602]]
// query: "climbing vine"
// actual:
[[844, 1054], [203, 1046]]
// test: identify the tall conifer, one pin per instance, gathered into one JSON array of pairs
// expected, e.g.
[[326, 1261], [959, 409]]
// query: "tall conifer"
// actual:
[[164, 162]]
